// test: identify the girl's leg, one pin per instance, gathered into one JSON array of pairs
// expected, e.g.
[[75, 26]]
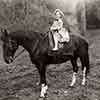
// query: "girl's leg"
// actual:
[[55, 41], [67, 36]]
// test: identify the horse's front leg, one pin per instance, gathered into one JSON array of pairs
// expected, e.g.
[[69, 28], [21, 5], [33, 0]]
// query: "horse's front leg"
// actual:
[[42, 73], [73, 79], [75, 70]]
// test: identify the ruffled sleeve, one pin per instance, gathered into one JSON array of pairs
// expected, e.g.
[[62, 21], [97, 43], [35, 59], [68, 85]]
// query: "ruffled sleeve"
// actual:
[[57, 25]]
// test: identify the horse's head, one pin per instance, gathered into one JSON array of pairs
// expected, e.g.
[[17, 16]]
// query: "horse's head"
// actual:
[[9, 46]]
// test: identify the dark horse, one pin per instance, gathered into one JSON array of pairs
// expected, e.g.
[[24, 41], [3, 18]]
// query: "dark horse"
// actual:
[[37, 45]]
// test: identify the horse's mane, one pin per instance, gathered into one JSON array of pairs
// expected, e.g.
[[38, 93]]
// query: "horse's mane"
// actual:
[[27, 34], [30, 34]]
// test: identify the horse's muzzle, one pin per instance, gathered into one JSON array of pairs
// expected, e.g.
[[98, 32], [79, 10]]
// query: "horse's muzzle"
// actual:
[[9, 60]]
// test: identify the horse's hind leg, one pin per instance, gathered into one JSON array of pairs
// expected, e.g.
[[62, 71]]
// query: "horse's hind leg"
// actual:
[[75, 70], [85, 66]]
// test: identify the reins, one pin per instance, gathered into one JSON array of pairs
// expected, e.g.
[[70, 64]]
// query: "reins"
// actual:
[[19, 54]]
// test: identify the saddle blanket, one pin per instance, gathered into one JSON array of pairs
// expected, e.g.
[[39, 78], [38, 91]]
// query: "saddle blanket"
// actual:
[[65, 48]]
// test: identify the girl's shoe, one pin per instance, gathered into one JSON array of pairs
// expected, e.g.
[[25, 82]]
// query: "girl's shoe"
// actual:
[[55, 49]]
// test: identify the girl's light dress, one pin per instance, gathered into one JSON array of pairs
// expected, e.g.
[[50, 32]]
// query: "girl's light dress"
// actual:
[[62, 34]]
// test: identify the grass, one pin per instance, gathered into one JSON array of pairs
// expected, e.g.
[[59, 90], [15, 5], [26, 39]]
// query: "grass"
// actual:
[[18, 80]]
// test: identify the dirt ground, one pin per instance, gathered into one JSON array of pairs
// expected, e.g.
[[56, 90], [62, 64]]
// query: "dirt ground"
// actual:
[[18, 81]]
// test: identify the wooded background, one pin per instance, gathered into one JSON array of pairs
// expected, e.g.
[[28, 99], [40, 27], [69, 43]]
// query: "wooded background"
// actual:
[[37, 14]]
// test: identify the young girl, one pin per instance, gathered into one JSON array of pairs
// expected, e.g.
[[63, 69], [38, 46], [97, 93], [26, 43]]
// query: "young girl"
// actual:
[[60, 34]]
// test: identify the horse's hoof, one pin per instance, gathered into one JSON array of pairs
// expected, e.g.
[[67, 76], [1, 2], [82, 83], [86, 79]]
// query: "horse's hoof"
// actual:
[[41, 98], [83, 84], [71, 86]]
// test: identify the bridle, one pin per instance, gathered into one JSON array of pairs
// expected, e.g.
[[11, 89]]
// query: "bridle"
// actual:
[[10, 43], [19, 54]]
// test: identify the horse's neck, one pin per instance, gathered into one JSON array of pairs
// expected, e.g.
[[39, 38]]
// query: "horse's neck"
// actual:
[[31, 40], [35, 44], [28, 45]]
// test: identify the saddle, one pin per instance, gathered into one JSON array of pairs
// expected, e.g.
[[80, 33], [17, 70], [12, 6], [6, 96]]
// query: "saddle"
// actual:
[[65, 48]]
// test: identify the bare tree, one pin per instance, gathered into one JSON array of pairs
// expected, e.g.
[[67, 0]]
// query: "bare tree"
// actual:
[[81, 17]]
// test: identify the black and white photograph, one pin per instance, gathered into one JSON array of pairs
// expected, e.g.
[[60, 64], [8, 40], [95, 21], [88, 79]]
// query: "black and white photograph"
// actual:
[[49, 49]]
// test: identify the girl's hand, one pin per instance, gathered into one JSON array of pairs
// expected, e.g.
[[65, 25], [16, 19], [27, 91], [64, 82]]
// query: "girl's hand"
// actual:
[[56, 30]]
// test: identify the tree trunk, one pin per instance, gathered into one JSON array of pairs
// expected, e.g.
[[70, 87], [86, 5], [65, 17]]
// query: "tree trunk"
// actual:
[[81, 17]]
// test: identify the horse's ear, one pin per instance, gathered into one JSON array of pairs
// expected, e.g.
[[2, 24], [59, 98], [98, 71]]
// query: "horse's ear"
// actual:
[[4, 34]]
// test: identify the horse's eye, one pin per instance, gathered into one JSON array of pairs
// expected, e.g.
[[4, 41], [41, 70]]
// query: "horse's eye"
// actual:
[[13, 44], [10, 44]]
